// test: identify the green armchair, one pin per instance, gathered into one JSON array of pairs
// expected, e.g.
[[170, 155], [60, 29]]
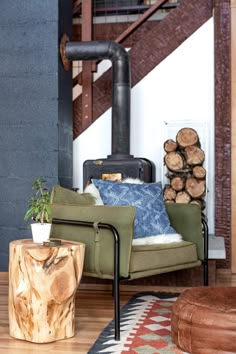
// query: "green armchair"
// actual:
[[107, 232]]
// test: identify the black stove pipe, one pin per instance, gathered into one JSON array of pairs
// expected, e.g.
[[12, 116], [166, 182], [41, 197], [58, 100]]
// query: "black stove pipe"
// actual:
[[96, 50]]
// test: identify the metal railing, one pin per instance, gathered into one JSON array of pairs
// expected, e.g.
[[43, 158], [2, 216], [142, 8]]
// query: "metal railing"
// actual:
[[122, 7]]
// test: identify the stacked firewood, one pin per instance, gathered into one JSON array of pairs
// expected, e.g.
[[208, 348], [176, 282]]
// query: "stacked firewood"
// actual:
[[184, 160]]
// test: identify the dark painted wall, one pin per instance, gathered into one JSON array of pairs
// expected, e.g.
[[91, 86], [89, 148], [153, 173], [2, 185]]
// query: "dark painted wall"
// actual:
[[36, 109]]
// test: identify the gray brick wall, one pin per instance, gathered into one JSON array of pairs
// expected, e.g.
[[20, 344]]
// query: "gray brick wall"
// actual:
[[36, 110]]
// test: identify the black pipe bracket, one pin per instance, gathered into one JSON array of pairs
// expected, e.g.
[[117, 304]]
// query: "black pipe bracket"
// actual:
[[65, 62]]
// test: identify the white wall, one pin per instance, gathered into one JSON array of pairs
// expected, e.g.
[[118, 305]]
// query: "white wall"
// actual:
[[178, 93]]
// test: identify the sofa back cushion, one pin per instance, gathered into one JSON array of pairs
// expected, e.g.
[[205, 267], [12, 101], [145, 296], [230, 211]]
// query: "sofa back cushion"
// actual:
[[99, 251], [66, 196], [187, 220]]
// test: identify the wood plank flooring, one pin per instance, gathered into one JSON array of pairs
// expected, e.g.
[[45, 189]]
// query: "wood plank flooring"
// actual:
[[94, 309]]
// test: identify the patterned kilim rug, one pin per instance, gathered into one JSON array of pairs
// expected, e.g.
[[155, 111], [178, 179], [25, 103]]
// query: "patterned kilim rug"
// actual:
[[145, 327]]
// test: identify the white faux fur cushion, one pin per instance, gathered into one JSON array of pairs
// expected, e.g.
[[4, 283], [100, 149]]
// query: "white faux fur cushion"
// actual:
[[90, 188], [158, 239], [132, 180]]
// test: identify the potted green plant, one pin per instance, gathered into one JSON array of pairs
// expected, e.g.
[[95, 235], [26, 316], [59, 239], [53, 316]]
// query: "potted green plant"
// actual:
[[39, 210]]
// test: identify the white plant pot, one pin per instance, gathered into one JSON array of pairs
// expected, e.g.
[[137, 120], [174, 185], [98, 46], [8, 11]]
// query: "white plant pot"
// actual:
[[40, 232]]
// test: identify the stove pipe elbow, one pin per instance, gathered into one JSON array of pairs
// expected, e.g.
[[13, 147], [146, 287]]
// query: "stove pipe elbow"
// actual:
[[121, 83]]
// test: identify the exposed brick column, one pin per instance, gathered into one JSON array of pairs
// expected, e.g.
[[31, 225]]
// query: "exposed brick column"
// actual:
[[222, 125]]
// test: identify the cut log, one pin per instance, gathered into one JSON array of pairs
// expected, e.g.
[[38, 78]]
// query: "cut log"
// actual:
[[169, 193], [194, 155], [177, 183], [42, 286], [182, 197], [180, 173], [186, 137], [196, 188], [184, 162], [199, 202], [199, 172], [170, 145], [174, 161]]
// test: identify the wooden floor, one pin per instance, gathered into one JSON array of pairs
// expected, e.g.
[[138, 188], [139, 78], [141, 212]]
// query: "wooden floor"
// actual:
[[94, 309]]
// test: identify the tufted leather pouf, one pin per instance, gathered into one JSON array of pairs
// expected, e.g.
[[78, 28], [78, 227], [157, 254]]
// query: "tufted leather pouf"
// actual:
[[204, 320]]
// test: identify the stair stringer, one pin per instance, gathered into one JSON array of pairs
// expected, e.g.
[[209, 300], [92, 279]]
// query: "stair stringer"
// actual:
[[145, 55]]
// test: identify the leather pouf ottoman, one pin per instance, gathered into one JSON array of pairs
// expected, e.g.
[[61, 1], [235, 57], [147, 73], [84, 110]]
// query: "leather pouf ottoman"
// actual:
[[204, 320]]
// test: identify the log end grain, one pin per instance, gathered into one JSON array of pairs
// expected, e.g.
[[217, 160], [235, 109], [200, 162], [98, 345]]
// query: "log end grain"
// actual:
[[194, 155], [177, 183], [169, 193], [186, 137], [196, 188], [174, 161], [183, 197], [170, 145]]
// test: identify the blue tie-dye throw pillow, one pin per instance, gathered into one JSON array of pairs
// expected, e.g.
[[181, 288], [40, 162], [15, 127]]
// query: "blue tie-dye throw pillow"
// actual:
[[151, 216]]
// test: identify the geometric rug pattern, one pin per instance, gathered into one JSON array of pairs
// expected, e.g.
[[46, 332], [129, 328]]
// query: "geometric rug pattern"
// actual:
[[145, 327]]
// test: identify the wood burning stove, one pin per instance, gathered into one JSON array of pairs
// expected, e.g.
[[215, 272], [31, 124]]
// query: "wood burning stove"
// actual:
[[121, 168], [120, 161]]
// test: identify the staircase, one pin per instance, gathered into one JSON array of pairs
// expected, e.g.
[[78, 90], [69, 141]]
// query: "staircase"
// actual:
[[154, 40]]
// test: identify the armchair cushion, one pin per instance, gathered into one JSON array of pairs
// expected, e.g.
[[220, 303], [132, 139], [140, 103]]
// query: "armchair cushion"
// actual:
[[156, 259], [151, 216]]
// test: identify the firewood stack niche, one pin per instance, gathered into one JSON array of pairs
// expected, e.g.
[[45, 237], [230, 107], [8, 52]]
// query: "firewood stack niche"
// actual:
[[184, 161]]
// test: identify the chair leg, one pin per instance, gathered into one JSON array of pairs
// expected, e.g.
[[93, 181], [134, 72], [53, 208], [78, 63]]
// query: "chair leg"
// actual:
[[205, 270], [205, 262], [117, 310], [112, 289], [116, 287]]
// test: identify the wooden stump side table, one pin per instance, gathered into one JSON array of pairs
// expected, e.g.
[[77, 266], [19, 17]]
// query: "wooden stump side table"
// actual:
[[42, 285]]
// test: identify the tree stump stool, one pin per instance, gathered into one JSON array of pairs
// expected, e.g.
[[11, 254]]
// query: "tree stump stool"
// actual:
[[204, 320], [42, 285]]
